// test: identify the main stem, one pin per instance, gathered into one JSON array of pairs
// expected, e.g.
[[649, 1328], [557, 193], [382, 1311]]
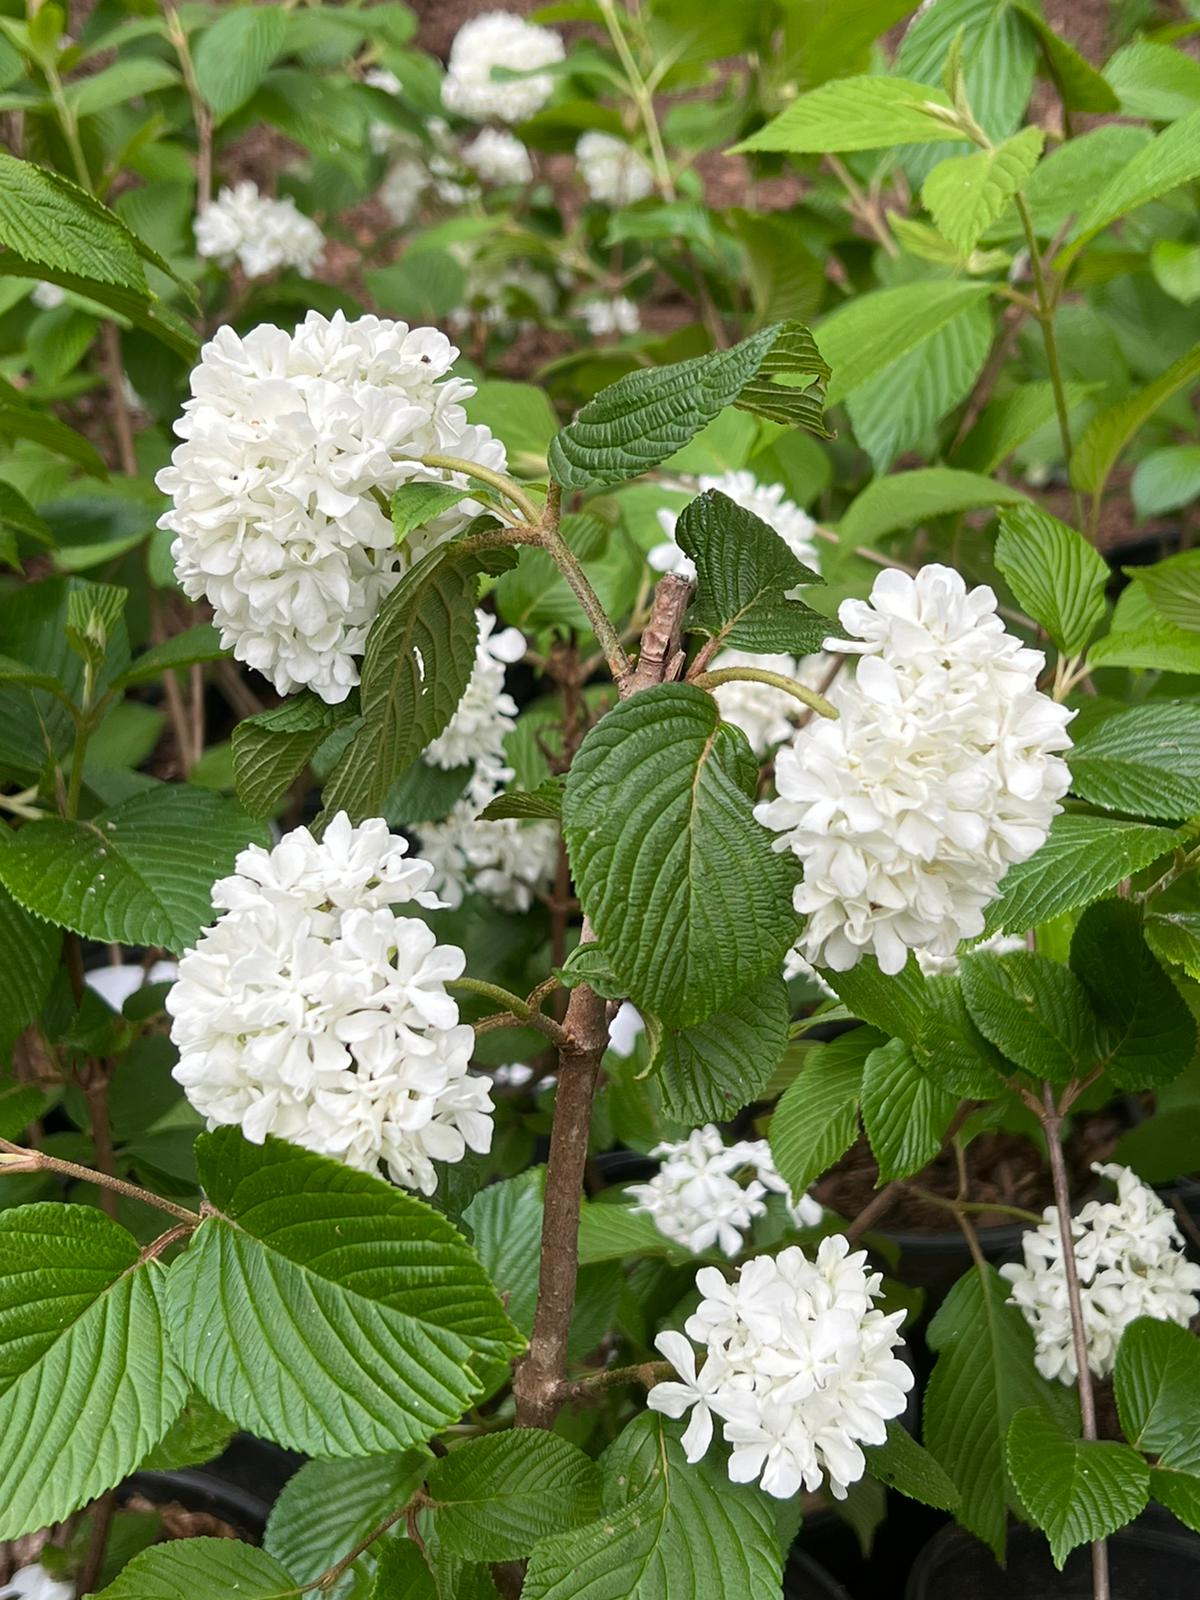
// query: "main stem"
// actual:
[[1051, 1120]]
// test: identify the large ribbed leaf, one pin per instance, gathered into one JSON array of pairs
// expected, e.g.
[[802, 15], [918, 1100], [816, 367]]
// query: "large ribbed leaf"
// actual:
[[1157, 1378], [1034, 1010], [816, 1120], [867, 113], [271, 749], [327, 1310], [28, 961], [650, 414], [905, 1112], [201, 1569], [1055, 574], [1145, 760], [497, 1496], [670, 1532], [1075, 1490], [87, 1384], [139, 873], [681, 883], [710, 1070]]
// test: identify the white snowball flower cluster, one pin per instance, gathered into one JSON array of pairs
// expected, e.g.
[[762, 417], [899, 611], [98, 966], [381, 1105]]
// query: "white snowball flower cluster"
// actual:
[[498, 157], [485, 714], [799, 1367], [614, 173], [1131, 1264], [46, 297], [698, 1196], [939, 773], [292, 444], [617, 315], [313, 1011], [766, 501], [401, 190], [35, 1583], [259, 233], [500, 39]]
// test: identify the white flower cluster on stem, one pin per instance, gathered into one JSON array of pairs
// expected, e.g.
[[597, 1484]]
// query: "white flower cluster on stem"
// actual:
[[292, 446], [939, 774], [616, 315], [1130, 1261], [259, 233], [703, 1193], [498, 157], [613, 172], [500, 39], [800, 1368], [314, 1011]]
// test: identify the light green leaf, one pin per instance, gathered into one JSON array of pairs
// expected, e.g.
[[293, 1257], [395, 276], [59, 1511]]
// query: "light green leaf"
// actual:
[[873, 331], [116, 85], [1075, 1490], [201, 643], [519, 414], [1056, 575], [382, 1323], [983, 1375], [816, 1120], [1174, 936], [903, 1465], [44, 218], [201, 1569], [1083, 858], [904, 1112], [505, 1220], [87, 1383], [684, 891], [497, 1496], [1156, 1376], [29, 950], [1142, 636], [745, 575], [414, 504], [1007, 423], [328, 1506], [235, 53], [272, 748], [1172, 588], [1034, 1010], [707, 1072], [197, 1435], [910, 499], [966, 194], [94, 612], [1153, 81], [1176, 266], [137, 873], [612, 1232], [670, 1531], [1167, 480], [1080, 86], [867, 113], [648, 415], [1171, 159], [1145, 760], [1107, 435], [588, 964], [1079, 167]]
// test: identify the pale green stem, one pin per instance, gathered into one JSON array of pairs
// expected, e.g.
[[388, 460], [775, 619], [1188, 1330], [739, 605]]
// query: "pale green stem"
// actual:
[[814, 701], [495, 480]]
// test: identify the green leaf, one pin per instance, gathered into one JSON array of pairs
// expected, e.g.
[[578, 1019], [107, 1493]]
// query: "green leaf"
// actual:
[[910, 499], [1007, 423], [682, 886], [87, 1383], [867, 113], [201, 643], [1156, 1378], [745, 575], [903, 1465], [1075, 1490], [94, 613], [588, 964], [1056, 575], [116, 85], [1079, 85], [816, 1120], [425, 793], [1142, 637], [1167, 480], [983, 1375], [527, 805], [1171, 159], [405, 1574], [1145, 760], [18, 422], [1083, 858], [707, 1072], [1153, 81], [905, 1113], [419, 658], [272, 748], [1173, 588], [201, 1569], [871, 333], [328, 1506], [1106, 435], [611, 1232], [44, 218], [18, 515], [29, 950], [1147, 1032], [1034, 1010], [497, 1496], [382, 1323], [505, 1220], [521, 416], [966, 194], [646, 416], [1176, 267], [670, 1531], [234, 55], [414, 504], [1174, 936], [137, 873], [197, 1435]]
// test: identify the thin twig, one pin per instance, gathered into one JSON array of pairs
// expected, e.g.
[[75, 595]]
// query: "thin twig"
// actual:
[[647, 1373], [102, 1513], [201, 114], [14, 1158], [775, 680]]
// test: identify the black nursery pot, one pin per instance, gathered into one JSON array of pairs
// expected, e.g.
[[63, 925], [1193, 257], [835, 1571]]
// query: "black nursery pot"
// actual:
[[1155, 1558], [936, 1261], [805, 1580], [239, 1487]]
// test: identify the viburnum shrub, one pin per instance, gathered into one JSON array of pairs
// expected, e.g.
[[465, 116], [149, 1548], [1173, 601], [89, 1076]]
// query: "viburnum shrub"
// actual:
[[727, 763]]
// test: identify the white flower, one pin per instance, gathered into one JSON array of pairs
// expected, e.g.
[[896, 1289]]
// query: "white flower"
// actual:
[[313, 1011], [514, 1075], [383, 136], [509, 862], [491, 291], [485, 714], [764, 500], [618, 315], [1130, 1260], [35, 1583], [625, 1029], [997, 944], [116, 981], [498, 157], [939, 773], [46, 296], [259, 233], [500, 39], [400, 192], [292, 444], [698, 1199], [614, 172], [799, 1367]]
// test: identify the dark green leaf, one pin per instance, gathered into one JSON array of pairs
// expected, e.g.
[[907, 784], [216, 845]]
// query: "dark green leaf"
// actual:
[[527, 805], [1145, 760], [710, 1070], [905, 1113], [272, 748], [1157, 1378], [816, 1120], [1034, 1010], [1075, 1490], [903, 1465], [200, 643], [497, 1496]]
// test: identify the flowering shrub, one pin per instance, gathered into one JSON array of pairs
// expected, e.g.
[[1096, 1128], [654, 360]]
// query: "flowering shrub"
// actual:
[[598, 729]]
